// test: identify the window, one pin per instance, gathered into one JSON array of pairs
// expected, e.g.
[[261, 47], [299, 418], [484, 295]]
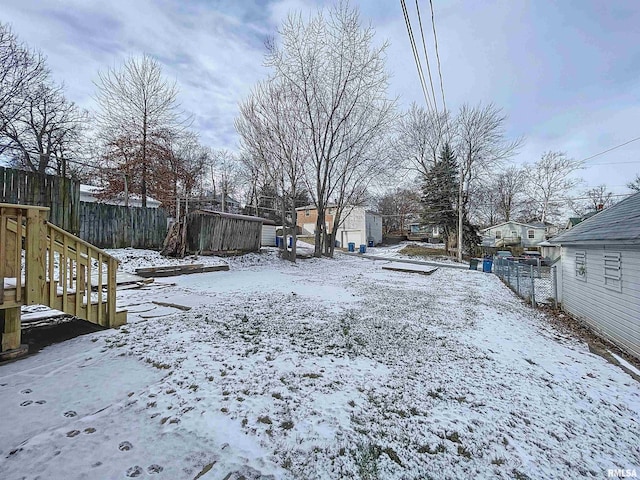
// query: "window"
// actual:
[[307, 213], [613, 271], [498, 234], [581, 266], [531, 234]]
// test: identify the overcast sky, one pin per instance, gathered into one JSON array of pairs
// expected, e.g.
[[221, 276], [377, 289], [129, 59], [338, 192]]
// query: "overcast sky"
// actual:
[[566, 73]]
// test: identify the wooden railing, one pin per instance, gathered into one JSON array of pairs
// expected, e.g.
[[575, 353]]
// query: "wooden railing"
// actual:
[[54, 268]]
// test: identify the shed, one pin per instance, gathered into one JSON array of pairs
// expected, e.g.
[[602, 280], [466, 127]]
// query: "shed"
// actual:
[[601, 273], [210, 231], [268, 237]]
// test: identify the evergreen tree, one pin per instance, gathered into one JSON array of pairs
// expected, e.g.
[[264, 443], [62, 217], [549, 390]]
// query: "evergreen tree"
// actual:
[[440, 193]]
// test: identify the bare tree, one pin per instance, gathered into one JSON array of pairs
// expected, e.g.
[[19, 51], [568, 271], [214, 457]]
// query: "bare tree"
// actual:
[[225, 180], [47, 133], [137, 105], [272, 138], [421, 134], [635, 183], [19, 69], [184, 167], [398, 208], [548, 182], [510, 191], [481, 146], [339, 83], [596, 198]]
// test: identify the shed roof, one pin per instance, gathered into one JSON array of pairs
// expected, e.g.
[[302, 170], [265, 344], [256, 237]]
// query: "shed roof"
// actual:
[[236, 216], [619, 224]]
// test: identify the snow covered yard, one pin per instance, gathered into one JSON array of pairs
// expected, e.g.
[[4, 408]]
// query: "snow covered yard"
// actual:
[[324, 369]]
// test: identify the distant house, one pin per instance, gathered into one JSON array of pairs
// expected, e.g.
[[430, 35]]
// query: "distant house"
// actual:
[[600, 281], [514, 234], [358, 225], [573, 221], [91, 194], [429, 233]]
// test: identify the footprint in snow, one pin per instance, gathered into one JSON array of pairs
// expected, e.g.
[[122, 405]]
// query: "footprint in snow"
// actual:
[[125, 446], [134, 471], [26, 391], [151, 469], [41, 402], [73, 433], [89, 430], [26, 402], [70, 414]]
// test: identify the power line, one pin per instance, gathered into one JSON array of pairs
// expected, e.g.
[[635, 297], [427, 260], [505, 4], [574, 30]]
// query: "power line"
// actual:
[[435, 39], [611, 149], [426, 55], [613, 163], [416, 57]]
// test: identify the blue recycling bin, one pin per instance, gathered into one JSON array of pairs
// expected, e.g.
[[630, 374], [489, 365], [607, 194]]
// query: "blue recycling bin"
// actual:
[[363, 248], [473, 264], [352, 246], [487, 263], [279, 242]]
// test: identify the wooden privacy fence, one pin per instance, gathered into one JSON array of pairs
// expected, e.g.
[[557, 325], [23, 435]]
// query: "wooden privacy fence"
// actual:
[[60, 194], [115, 226], [214, 232]]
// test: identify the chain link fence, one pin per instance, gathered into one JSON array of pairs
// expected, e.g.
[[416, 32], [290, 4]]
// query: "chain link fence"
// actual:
[[537, 284]]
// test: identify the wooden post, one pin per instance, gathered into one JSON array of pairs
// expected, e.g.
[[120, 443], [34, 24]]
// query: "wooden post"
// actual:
[[36, 250], [112, 267], [11, 334]]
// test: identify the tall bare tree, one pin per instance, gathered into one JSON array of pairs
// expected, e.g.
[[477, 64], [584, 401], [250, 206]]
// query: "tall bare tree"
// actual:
[[271, 137], [481, 145], [339, 82], [548, 182], [137, 106], [421, 134], [19, 69]]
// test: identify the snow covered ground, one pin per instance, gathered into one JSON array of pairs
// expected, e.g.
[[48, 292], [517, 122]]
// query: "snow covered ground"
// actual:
[[323, 369]]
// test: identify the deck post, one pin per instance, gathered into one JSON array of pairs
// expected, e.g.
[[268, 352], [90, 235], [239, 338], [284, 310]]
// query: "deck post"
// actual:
[[35, 256], [11, 334]]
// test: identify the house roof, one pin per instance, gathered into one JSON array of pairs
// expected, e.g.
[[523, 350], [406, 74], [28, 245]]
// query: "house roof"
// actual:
[[617, 224], [536, 225]]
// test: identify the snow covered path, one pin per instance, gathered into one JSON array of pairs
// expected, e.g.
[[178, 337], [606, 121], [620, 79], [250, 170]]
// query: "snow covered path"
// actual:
[[324, 369]]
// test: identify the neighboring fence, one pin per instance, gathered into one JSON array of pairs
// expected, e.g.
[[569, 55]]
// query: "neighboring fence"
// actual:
[[115, 226], [536, 284], [60, 194]]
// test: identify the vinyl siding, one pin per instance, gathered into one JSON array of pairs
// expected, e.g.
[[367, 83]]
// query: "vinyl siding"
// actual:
[[268, 237], [616, 315]]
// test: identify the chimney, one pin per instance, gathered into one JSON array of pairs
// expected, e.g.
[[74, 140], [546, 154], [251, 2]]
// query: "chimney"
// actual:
[[600, 207]]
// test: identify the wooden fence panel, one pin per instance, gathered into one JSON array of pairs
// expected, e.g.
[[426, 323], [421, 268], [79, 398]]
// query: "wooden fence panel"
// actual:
[[115, 226], [214, 233], [60, 194]]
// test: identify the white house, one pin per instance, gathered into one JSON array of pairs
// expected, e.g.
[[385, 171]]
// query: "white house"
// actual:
[[514, 234], [90, 193], [601, 273], [358, 225]]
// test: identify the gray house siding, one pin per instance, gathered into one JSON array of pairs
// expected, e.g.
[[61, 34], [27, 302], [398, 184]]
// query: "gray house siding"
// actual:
[[609, 307], [511, 230]]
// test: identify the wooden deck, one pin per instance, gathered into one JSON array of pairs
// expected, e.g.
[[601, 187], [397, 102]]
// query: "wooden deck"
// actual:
[[55, 268]]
